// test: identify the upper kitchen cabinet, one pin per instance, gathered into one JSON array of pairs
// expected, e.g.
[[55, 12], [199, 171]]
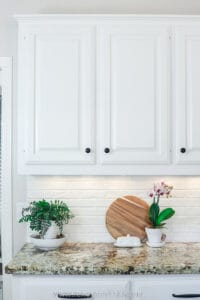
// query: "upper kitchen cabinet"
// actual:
[[56, 95], [187, 94], [134, 93], [108, 95]]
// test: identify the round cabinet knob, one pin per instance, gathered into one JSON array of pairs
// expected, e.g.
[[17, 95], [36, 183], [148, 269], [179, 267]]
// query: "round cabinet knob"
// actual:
[[87, 150], [182, 150], [106, 150]]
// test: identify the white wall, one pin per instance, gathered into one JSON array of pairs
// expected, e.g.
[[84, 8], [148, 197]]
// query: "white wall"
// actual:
[[89, 198]]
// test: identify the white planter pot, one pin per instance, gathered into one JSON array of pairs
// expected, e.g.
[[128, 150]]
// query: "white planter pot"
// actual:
[[47, 244], [52, 232], [155, 235]]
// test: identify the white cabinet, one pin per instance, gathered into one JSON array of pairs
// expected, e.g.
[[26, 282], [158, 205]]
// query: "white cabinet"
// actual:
[[134, 93], [109, 95], [166, 288], [187, 93], [105, 287], [60, 287], [56, 94]]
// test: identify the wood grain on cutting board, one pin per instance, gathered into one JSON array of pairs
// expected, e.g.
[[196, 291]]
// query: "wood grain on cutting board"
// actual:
[[128, 215]]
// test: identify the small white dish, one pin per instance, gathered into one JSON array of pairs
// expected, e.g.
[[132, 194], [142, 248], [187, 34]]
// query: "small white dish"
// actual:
[[47, 244], [156, 245], [127, 246], [128, 241]]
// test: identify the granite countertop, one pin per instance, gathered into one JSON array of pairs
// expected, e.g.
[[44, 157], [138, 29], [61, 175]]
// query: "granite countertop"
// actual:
[[104, 258]]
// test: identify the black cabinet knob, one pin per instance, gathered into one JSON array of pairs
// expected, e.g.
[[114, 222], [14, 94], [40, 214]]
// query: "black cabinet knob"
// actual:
[[106, 150], [87, 150], [182, 150]]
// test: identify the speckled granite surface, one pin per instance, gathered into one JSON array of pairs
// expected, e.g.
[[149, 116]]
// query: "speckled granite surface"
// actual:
[[102, 258]]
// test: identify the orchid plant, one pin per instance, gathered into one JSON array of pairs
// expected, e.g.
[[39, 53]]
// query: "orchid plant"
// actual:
[[155, 215]]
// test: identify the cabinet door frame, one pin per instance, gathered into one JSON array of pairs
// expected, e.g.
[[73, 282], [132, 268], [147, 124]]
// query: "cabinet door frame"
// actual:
[[175, 284], [99, 286], [116, 156], [29, 152], [183, 36]]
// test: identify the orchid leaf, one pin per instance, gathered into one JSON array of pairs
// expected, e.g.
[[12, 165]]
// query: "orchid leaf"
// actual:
[[154, 212], [164, 215]]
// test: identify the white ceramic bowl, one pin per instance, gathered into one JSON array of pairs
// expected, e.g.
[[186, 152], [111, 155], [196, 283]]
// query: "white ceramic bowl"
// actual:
[[47, 244]]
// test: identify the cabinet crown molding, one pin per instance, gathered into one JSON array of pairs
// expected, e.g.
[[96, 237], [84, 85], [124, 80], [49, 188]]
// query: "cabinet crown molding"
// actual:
[[104, 17]]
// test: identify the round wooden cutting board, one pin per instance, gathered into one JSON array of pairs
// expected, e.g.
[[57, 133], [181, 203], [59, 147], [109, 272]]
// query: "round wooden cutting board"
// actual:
[[128, 215]]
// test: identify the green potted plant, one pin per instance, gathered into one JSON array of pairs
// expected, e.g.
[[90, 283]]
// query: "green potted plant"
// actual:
[[155, 235], [47, 219]]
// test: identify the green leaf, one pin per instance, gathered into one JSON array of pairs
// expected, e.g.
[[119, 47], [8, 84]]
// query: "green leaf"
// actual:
[[154, 212], [40, 215], [164, 215]]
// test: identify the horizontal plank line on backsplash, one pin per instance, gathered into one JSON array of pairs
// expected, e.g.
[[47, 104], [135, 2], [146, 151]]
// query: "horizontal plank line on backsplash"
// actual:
[[171, 236], [78, 202], [75, 186], [91, 211], [102, 194], [100, 220], [183, 237], [181, 229], [117, 189], [110, 182], [88, 238], [83, 202], [84, 228], [80, 228], [86, 220], [91, 238]]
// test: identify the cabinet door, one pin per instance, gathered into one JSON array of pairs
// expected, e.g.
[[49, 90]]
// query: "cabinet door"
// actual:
[[52, 287], [133, 93], [56, 94], [166, 288], [187, 94]]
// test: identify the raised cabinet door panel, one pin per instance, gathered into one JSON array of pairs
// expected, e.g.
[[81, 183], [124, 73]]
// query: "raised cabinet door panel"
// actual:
[[70, 287], [187, 94], [57, 94], [134, 93], [164, 288]]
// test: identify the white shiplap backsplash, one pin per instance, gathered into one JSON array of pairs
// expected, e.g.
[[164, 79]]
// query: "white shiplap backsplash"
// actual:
[[89, 198]]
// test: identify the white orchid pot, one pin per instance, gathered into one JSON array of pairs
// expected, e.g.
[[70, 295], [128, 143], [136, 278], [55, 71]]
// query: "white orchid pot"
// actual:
[[52, 231], [155, 235]]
